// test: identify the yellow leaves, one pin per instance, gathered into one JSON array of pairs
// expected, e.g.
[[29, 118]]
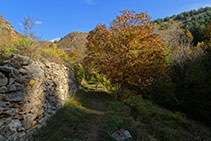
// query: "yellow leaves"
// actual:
[[200, 44], [171, 19], [75, 54], [54, 46], [32, 82], [189, 35], [133, 54], [128, 50]]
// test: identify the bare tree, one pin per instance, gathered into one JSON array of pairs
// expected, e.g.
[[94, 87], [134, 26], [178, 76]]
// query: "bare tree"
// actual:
[[28, 28]]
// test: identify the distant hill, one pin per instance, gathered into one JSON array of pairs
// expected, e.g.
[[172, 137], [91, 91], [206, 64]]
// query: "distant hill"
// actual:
[[195, 21], [74, 41], [7, 33]]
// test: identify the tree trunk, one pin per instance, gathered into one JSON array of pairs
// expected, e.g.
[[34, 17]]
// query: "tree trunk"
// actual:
[[121, 89]]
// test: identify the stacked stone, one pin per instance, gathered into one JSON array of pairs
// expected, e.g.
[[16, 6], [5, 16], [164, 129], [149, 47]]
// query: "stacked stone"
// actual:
[[30, 93]]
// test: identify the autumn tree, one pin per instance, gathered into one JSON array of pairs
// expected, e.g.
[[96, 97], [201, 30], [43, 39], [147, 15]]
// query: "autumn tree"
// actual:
[[128, 51]]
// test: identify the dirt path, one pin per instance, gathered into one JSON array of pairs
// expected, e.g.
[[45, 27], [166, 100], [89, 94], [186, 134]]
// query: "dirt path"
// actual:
[[91, 115], [96, 131]]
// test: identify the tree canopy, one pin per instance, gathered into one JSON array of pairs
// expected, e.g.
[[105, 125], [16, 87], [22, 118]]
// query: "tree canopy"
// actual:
[[127, 51]]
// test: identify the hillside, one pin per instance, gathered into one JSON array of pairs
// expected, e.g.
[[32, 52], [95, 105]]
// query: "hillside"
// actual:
[[7, 33], [195, 21], [12, 42], [74, 42]]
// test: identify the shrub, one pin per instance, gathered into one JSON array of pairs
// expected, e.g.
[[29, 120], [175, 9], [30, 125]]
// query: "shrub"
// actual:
[[37, 50], [187, 88], [23, 43], [79, 72], [6, 52], [26, 47]]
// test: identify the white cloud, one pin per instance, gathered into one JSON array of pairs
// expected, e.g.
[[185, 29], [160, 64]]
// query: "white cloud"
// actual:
[[38, 22], [55, 39], [90, 2]]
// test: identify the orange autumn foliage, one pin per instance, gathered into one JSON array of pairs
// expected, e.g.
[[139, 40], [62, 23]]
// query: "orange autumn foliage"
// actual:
[[126, 51]]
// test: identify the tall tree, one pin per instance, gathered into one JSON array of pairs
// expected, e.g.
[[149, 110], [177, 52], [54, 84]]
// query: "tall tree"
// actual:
[[128, 51]]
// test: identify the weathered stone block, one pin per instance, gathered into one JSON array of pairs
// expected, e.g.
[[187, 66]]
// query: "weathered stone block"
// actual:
[[6, 69], [16, 96], [11, 80], [14, 87], [3, 79], [3, 89], [19, 60], [14, 125]]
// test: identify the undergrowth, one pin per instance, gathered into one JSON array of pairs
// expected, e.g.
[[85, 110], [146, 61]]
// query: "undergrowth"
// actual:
[[36, 51], [145, 120]]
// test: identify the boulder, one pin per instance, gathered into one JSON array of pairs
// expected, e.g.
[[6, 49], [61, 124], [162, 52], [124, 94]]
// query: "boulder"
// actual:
[[122, 135]]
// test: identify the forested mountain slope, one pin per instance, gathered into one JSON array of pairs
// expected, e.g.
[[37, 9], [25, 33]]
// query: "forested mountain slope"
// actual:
[[195, 21]]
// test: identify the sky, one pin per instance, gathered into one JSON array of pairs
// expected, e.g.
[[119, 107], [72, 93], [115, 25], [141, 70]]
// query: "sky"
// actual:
[[56, 18]]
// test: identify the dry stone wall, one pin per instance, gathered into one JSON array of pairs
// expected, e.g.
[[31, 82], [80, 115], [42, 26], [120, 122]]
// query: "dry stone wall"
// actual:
[[30, 93]]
